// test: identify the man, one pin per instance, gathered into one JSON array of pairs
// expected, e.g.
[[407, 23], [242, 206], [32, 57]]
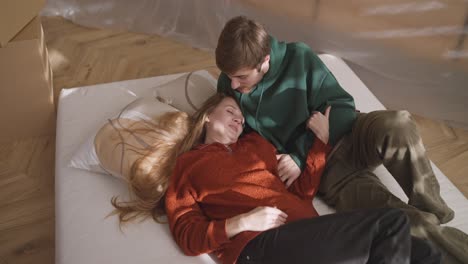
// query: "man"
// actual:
[[280, 86]]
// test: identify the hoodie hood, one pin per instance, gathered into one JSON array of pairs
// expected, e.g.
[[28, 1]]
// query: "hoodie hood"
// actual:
[[277, 55]]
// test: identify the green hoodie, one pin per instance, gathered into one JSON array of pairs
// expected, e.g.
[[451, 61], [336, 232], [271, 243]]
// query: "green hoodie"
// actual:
[[296, 84]]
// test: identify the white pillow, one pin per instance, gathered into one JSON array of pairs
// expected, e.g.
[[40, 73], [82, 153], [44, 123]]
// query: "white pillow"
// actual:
[[141, 109], [188, 92], [185, 93]]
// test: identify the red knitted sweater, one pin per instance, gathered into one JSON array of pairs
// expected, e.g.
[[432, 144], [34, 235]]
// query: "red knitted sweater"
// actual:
[[212, 183]]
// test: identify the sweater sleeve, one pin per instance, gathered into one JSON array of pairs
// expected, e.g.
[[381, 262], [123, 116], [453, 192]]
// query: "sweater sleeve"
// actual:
[[299, 147], [306, 186], [192, 230]]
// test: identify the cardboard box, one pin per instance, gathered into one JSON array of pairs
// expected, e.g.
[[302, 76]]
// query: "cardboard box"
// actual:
[[15, 15], [26, 93]]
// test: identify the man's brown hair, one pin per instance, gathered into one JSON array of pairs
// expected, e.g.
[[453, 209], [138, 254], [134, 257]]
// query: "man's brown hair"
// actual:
[[243, 43]]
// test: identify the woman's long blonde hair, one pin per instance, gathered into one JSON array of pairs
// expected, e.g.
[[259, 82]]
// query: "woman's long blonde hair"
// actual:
[[174, 134]]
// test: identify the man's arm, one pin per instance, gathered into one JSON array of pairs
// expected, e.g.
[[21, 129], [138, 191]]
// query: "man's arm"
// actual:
[[324, 90]]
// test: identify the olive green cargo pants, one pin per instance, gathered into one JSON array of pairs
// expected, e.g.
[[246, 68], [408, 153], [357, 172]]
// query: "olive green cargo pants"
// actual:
[[391, 138]]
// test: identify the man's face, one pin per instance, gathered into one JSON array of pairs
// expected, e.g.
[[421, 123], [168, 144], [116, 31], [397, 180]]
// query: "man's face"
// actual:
[[245, 79]]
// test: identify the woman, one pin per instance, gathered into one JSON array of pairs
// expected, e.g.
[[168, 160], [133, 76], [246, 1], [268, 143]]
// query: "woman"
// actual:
[[224, 197]]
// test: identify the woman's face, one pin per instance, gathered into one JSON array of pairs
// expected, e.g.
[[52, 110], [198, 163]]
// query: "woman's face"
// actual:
[[225, 123]]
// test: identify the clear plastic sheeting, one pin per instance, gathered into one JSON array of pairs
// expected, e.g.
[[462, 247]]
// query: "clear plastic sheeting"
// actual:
[[411, 54]]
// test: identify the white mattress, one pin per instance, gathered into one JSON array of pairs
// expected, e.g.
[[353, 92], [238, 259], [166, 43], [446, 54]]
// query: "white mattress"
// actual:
[[82, 201]]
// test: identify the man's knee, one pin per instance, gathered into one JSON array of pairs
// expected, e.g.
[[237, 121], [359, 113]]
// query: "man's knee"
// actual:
[[398, 121], [397, 129]]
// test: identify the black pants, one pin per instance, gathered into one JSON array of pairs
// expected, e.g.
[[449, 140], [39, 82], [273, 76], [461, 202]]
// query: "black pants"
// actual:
[[368, 236]]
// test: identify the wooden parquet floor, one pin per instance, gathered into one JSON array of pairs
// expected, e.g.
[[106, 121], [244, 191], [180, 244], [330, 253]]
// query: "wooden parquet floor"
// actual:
[[82, 56]]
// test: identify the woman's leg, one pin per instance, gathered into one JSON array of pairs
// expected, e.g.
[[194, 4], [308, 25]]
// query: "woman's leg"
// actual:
[[368, 236]]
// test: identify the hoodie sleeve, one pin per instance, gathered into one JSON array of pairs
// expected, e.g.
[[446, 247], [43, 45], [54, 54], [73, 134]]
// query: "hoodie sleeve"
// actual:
[[306, 186], [192, 230], [321, 90], [324, 90]]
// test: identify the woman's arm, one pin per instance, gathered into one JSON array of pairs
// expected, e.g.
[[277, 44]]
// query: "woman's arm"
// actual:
[[192, 230], [259, 219], [197, 234], [306, 186]]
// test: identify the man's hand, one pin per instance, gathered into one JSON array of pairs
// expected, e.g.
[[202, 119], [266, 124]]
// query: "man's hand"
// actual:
[[288, 170], [318, 123]]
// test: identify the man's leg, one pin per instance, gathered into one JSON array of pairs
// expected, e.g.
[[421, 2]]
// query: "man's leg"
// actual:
[[347, 186], [423, 252], [366, 236], [364, 191], [392, 138]]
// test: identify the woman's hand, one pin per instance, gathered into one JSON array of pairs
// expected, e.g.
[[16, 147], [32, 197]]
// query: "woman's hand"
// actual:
[[259, 219], [318, 123], [288, 170]]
